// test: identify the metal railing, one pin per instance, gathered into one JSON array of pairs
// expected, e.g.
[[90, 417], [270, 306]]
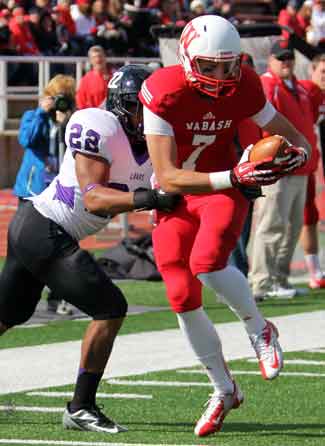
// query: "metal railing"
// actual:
[[21, 93]]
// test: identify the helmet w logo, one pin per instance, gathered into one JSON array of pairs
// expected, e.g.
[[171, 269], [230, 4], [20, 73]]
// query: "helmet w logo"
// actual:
[[188, 35]]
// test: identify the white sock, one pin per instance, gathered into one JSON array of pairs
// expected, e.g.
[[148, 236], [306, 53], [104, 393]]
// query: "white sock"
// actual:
[[205, 342], [313, 265], [234, 288]]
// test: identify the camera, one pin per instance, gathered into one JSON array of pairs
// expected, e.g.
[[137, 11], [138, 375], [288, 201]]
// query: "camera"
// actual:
[[62, 103]]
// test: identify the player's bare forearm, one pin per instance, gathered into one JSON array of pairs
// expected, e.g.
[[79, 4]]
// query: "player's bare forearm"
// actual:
[[184, 181], [104, 201]]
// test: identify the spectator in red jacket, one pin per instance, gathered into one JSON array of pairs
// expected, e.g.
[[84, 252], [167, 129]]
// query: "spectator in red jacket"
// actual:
[[92, 89], [288, 17], [279, 217], [309, 234], [21, 34], [63, 16]]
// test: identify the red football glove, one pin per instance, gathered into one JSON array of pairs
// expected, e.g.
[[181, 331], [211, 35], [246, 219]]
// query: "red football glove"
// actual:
[[254, 174], [297, 158]]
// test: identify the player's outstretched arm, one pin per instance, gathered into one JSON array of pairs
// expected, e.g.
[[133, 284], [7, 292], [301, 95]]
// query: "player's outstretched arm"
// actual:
[[93, 176]]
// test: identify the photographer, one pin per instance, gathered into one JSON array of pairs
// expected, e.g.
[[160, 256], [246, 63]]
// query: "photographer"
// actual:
[[41, 135]]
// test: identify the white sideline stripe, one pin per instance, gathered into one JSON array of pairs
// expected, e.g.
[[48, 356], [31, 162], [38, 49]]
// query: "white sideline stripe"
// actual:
[[151, 352], [76, 443], [98, 395], [316, 350], [13, 408], [253, 372], [125, 382], [297, 361]]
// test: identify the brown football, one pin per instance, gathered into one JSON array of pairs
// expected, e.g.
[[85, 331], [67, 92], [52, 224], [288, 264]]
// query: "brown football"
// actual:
[[273, 146]]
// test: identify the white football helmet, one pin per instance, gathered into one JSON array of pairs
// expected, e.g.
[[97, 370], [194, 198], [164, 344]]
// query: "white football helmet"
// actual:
[[209, 50]]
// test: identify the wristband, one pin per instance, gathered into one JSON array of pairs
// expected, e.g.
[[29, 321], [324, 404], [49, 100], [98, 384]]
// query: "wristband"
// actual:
[[220, 180]]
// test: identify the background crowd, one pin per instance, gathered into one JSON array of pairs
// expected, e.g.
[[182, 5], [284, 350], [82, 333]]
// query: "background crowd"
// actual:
[[122, 27]]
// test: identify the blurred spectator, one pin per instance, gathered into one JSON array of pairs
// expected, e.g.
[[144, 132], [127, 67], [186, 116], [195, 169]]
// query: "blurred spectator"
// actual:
[[45, 36], [309, 235], [288, 17], [85, 23], [22, 37], [169, 12], [44, 6], [304, 16], [197, 8], [6, 41], [92, 88], [137, 21], [38, 135], [316, 33], [279, 216], [114, 9], [110, 34], [224, 8], [62, 16]]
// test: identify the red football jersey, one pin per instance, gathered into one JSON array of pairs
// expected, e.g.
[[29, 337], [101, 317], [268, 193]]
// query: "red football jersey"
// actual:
[[204, 127]]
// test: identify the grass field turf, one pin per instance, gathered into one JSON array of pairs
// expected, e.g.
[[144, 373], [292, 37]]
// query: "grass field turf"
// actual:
[[287, 411]]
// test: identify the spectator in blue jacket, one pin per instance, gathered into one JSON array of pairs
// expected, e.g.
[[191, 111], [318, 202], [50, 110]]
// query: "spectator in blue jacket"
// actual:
[[39, 136]]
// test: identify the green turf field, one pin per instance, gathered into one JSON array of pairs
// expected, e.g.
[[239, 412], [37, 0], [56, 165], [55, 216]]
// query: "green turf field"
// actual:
[[288, 411]]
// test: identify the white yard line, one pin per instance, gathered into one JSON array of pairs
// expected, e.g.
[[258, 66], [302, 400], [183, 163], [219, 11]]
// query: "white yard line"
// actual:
[[130, 396], [12, 408], [296, 361], [56, 364], [248, 372], [75, 443], [130, 382]]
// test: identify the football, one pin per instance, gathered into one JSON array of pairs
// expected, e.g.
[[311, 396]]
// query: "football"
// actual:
[[271, 147]]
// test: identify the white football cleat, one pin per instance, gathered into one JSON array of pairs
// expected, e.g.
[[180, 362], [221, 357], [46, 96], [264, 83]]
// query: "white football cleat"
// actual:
[[268, 351], [218, 407]]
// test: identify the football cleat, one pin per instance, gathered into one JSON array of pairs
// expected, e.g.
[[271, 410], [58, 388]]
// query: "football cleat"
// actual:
[[316, 283], [218, 407], [268, 351], [90, 419]]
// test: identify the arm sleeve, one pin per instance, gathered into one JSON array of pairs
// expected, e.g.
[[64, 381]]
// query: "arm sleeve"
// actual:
[[33, 130], [264, 116], [155, 125]]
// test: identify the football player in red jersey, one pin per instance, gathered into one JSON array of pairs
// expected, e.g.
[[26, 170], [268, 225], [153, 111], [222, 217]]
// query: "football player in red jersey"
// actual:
[[191, 112]]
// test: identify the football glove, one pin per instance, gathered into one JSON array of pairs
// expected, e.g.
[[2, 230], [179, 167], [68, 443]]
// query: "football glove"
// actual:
[[145, 200], [297, 158], [254, 174], [250, 192]]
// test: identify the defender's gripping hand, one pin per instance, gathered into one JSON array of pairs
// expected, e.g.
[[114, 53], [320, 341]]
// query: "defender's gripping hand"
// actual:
[[297, 158], [251, 193], [145, 200], [254, 174]]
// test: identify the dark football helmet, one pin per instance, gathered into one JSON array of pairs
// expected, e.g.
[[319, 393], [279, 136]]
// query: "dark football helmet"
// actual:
[[122, 97]]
